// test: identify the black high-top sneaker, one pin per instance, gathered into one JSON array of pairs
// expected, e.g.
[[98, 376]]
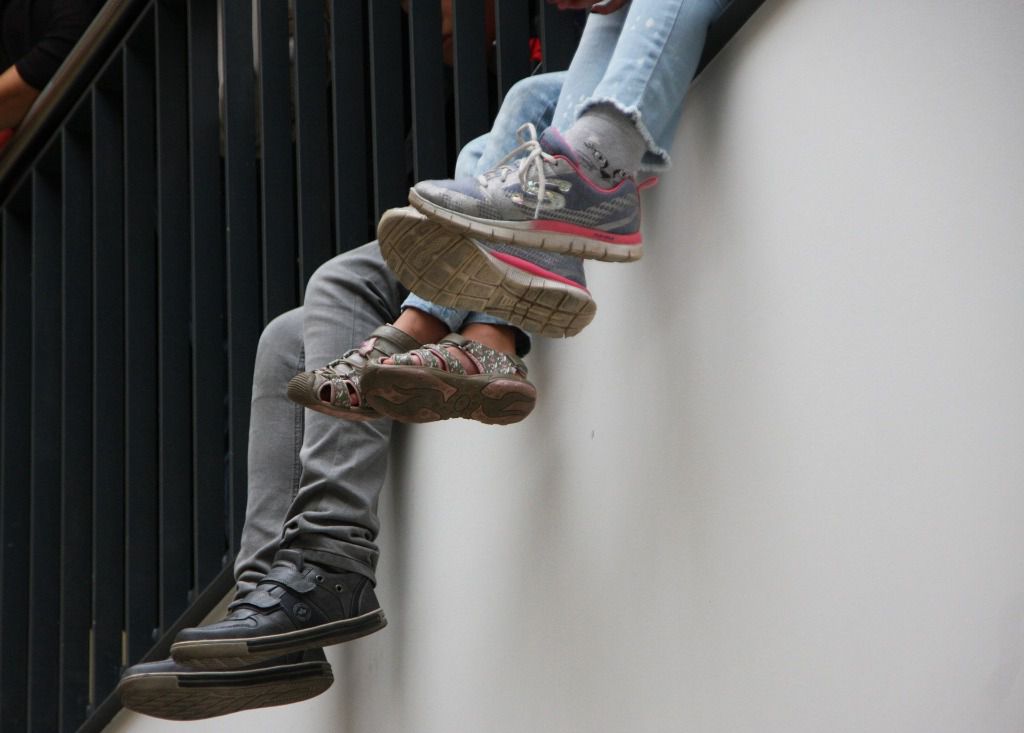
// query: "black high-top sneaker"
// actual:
[[296, 606], [173, 691]]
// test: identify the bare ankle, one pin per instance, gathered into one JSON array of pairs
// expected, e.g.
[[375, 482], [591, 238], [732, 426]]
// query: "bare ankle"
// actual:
[[499, 338], [423, 327]]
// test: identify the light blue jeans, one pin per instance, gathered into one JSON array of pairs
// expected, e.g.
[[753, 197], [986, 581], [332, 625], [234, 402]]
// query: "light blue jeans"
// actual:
[[530, 100], [314, 480], [639, 59]]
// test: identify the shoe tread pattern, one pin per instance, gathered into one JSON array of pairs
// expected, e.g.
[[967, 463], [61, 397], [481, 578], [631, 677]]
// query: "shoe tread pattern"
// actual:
[[447, 268]]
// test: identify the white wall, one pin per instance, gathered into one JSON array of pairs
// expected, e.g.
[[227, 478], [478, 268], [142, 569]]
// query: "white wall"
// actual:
[[778, 485]]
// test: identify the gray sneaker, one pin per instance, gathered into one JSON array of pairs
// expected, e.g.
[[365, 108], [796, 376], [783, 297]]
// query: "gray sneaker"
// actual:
[[574, 215], [541, 292]]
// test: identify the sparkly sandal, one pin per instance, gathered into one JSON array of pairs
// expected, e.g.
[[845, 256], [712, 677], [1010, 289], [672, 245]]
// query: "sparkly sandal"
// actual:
[[335, 389], [431, 383]]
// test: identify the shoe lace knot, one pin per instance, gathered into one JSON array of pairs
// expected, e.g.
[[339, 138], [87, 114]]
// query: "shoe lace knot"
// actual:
[[531, 167]]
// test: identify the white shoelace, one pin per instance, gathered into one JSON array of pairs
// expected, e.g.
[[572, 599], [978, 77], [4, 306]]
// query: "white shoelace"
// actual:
[[533, 162]]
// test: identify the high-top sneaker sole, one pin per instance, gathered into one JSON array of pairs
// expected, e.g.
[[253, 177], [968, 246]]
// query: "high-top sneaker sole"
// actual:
[[450, 269], [231, 653], [173, 692]]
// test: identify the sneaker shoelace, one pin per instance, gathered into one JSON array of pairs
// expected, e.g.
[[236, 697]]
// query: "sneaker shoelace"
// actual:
[[530, 168]]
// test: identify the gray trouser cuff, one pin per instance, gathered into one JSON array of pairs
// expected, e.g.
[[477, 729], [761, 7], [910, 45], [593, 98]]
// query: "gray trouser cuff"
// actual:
[[335, 561]]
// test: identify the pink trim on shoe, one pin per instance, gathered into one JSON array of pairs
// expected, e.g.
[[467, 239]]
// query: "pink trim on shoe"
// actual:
[[534, 269], [647, 183], [549, 225]]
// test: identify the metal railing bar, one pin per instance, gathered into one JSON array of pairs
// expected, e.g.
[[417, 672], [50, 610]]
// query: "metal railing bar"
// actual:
[[209, 296], [555, 27], [472, 116], [44, 563], [108, 429], [427, 83], [311, 143], [15, 406], [205, 601], [735, 15], [140, 377], [349, 112], [174, 374], [388, 130], [71, 81], [512, 26], [242, 252], [277, 163], [76, 418]]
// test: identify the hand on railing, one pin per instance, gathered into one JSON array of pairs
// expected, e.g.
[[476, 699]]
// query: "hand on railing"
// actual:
[[16, 97]]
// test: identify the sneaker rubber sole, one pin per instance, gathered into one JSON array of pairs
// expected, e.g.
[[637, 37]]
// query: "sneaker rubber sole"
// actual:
[[553, 236], [242, 652], [420, 394], [448, 268], [197, 695]]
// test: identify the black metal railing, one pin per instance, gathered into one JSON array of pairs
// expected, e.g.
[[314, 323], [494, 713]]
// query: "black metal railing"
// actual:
[[173, 190]]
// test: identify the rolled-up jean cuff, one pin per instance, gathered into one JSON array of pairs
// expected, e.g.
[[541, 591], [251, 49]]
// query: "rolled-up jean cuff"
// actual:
[[453, 318], [456, 320]]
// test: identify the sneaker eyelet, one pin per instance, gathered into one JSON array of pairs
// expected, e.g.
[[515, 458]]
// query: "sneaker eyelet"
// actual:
[[319, 579], [338, 588]]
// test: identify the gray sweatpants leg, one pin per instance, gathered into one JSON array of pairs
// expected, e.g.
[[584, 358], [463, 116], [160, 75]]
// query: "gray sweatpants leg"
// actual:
[[314, 480]]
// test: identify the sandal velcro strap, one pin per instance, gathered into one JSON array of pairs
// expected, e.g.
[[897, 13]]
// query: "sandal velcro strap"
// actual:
[[487, 361], [457, 339], [492, 361], [391, 340], [432, 356], [384, 341]]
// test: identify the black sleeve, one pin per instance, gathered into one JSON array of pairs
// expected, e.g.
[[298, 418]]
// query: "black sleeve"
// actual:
[[66, 24]]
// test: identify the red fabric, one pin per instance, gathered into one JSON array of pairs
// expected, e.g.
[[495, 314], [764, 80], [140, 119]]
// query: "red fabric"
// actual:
[[6, 135], [536, 55]]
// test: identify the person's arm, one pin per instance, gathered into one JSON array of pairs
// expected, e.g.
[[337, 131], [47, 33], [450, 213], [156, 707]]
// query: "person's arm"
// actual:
[[16, 96], [601, 7], [22, 82]]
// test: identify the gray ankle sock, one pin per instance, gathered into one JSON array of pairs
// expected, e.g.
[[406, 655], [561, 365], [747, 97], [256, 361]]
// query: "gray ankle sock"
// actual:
[[608, 144]]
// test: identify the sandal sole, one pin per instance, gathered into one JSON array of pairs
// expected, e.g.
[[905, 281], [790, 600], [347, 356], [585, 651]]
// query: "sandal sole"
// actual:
[[421, 394], [448, 268], [241, 652], [198, 695], [524, 235]]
